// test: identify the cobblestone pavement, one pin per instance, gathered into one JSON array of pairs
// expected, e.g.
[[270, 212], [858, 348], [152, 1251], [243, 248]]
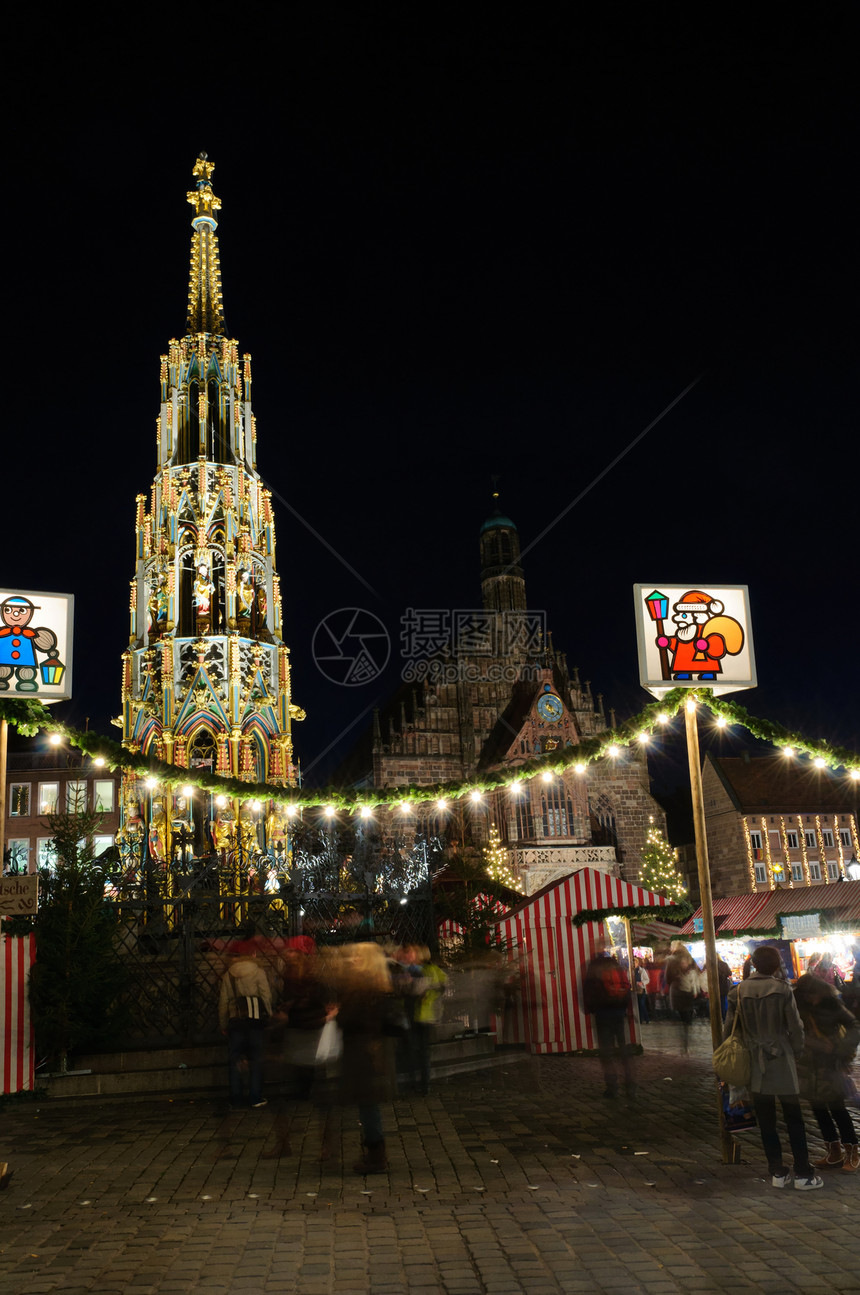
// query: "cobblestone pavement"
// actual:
[[519, 1179]]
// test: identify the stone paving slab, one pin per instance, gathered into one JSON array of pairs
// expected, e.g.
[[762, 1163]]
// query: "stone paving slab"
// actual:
[[521, 1179]]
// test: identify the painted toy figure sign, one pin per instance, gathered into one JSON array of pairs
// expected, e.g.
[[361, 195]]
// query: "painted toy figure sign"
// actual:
[[694, 635], [36, 644]]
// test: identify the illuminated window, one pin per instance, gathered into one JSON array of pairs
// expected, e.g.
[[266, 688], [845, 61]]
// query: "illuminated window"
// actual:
[[49, 795], [18, 852], [797, 872], [46, 854], [76, 796], [100, 844], [19, 800], [103, 792]]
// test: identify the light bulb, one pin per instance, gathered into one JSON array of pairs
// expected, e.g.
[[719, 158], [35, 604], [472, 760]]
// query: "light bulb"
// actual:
[[788, 751], [475, 795], [515, 786], [613, 751], [579, 768], [329, 811], [188, 791], [365, 811], [292, 810], [644, 737], [721, 721], [546, 776], [819, 762], [221, 802], [441, 803]]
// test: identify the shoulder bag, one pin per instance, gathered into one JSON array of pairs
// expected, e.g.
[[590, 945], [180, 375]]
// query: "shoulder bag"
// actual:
[[732, 1058]]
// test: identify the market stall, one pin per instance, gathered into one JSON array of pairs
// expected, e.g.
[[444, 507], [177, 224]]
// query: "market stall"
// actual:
[[808, 921], [553, 935]]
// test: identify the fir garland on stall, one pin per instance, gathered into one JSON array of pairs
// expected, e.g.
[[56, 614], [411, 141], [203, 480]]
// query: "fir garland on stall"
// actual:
[[30, 716]]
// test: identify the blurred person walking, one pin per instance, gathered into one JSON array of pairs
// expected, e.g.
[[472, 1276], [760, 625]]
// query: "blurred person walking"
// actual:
[[366, 1014], [244, 1005], [773, 1032], [683, 982], [428, 1013], [606, 994], [832, 1035]]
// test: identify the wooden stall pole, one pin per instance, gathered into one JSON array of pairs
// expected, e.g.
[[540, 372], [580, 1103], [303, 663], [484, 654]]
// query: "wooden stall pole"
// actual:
[[728, 1145]]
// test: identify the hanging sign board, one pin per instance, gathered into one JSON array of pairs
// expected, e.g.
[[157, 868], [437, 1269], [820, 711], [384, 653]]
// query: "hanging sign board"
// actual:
[[799, 926], [36, 644], [19, 896], [691, 635]]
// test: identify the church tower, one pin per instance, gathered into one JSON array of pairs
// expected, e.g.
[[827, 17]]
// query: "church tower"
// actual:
[[206, 677], [503, 585]]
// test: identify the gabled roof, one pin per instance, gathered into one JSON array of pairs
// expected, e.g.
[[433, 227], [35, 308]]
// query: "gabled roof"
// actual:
[[774, 784], [509, 725]]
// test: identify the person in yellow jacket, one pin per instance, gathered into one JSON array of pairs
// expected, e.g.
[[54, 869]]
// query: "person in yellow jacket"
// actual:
[[428, 1011]]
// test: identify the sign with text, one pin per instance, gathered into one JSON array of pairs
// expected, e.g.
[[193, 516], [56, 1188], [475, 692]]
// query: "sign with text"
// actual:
[[692, 635], [799, 926], [19, 896], [36, 644]]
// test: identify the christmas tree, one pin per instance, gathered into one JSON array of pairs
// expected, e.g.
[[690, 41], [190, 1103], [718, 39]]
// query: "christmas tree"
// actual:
[[496, 861], [658, 871]]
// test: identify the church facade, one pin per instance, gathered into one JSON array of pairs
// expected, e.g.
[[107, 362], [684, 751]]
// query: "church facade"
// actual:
[[206, 675], [501, 695]]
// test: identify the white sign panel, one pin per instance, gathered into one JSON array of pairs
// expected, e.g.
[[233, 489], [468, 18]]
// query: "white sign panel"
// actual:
[[693, 635], [19, 896], [799, 926], [36, 644]]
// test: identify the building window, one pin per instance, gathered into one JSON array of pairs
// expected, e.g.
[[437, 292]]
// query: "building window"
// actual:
[[100, 844], [809, 838], [49, 796], [603, 827], [755, 840], [827, 836], [19, 800], [525, 819], [797, 872], [554, 812], [17, 855], [103, 791], [832, 870], [791, 838], [845, 837], [76, 796], [760, 872], [814, 870], [46, 853]]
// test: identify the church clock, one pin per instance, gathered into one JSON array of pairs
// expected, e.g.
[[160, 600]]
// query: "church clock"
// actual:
[[550, 707]]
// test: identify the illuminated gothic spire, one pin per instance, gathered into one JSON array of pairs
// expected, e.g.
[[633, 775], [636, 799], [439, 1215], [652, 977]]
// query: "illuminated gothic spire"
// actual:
[[205, 307]]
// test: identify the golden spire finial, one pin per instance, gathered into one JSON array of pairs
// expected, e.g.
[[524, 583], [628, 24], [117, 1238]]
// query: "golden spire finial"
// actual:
[[205, 308]]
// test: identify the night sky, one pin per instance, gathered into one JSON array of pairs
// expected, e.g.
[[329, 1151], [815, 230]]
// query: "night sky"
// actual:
[[457, 241]]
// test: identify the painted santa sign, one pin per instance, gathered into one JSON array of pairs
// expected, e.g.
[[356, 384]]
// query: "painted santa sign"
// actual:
[[691, 636], [36, 644]]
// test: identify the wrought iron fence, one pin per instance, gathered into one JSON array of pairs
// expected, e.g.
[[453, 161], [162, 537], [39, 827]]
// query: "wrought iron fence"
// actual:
[[174, 928]]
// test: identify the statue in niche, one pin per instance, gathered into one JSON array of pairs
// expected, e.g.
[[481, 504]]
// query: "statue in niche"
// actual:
[[244, 597], [157, 608], [202, 598]]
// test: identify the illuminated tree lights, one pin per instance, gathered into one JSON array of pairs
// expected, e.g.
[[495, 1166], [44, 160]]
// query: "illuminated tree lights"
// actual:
[[30, 717], [496, 861], [658, 870]]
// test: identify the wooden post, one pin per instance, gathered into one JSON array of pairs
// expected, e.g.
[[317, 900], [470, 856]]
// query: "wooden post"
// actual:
[[727, 1142], [4, 736]]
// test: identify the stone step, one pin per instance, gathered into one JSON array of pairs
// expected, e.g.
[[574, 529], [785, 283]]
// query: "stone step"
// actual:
[[204, 1068]]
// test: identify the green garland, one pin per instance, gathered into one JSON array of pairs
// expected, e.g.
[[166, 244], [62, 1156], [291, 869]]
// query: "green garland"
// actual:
[[677, 913], [30, 716]]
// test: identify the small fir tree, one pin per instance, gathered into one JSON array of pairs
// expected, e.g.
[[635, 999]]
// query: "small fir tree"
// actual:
[[78, 979], [659, 871], [496, 861]]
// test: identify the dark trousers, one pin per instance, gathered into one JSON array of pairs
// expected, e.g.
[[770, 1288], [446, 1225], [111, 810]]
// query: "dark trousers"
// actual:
[[612, 1046], [245, 1044], [834, 1123], [764, 1105]]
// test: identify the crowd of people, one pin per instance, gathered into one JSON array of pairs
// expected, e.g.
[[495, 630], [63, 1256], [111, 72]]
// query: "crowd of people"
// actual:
[[801, 1040], [348, 1026]]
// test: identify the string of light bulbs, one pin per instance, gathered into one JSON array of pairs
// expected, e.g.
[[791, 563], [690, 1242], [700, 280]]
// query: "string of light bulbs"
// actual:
[[29, 717]]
